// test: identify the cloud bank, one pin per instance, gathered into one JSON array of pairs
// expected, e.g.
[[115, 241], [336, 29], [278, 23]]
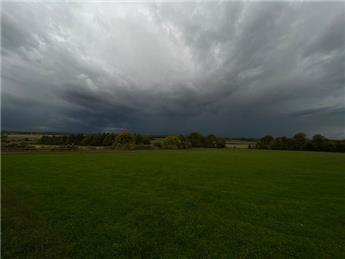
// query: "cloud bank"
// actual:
[[229, 68]]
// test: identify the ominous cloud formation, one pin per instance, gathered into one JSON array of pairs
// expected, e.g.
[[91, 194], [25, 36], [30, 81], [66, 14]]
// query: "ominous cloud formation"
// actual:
[[230, 68]]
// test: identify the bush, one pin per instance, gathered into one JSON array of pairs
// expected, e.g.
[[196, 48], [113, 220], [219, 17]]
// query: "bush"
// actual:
[[301, 142], [221, 143], [197, 139], [172, 141], [108, 139], [125, 138], [121, 140], [211, 141], [157, 144]]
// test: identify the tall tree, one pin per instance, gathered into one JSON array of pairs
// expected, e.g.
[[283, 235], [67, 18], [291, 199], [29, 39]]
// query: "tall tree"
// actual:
[[197, 139]]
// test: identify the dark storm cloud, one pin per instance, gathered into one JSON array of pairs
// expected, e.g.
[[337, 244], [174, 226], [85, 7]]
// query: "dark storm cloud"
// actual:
[[324, 110], [230, 68]]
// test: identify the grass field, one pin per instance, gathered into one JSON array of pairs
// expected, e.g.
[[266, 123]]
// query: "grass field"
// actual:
[[169, 204]]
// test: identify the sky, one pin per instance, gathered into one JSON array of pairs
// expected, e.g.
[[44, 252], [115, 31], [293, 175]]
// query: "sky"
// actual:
[[235, 69]]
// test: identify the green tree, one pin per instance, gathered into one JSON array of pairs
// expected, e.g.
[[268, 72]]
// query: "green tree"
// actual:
[[211, 141], [78, 139], [97, 140], [300, 141], [280, 143], [139, 139], [172, 142], [267, 139], [86, 140], [265, 142], [124, 140], [221, 143], [318, 142], [108, 139], [185, 143], [197, 139]]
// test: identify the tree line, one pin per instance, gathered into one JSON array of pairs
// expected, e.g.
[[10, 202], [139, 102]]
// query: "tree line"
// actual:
[[128, 140], [300, 142]]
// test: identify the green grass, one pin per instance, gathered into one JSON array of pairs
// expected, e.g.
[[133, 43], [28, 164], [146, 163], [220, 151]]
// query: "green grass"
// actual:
[[174, 204]]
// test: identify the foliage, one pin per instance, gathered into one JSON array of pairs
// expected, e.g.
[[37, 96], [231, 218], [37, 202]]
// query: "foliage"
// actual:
[[132, 141], [124, 138], [140, 139], [300, 142], [172, 142], [108, 139], [185, 142], [197, 139], [128, 141], [211, 141]]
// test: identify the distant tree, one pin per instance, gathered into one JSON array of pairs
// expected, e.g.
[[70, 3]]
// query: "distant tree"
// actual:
[[108, 139], [330, 146], [265, 142], [280, 143], [86, 141], [185, 143], [221, 143], [299, 141], [64, 140], [211, 141], [78, 139], [139, 139], [128, 141], [318, 142], [340, 146], [70, 139], [44, 140], [5, 139], [157, 144], [146, 140], [172, 142], [97, 140], [125, 138], [197, 139], [267, 139]]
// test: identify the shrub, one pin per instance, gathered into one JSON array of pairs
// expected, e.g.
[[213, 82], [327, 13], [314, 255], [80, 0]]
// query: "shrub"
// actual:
[[124, 138], [211, 141], [108, 140], [221, 143], [197, 139], [172, 142]]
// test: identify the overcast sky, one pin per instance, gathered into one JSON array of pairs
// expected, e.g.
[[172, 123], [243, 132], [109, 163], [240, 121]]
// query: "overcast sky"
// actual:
[[228, 68]]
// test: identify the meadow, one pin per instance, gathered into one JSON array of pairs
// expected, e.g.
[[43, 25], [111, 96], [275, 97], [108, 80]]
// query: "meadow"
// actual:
[[198, 203]]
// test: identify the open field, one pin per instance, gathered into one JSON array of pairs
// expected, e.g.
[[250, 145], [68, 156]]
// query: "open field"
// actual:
[[239, 144], [167, 204], [23, 136]]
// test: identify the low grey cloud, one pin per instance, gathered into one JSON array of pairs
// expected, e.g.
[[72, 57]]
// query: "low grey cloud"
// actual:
[[229, 68]]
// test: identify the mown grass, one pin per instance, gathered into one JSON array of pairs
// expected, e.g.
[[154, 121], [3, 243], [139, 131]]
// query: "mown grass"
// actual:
[[169, 204]]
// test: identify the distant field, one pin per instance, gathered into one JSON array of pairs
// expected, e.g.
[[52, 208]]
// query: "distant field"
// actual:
[[23, 136], [239, 144], [169, 204]]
